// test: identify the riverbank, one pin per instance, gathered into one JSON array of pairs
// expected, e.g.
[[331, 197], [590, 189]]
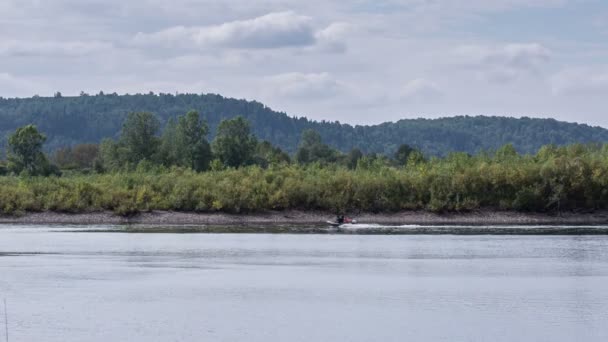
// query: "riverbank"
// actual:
[[292, 217]]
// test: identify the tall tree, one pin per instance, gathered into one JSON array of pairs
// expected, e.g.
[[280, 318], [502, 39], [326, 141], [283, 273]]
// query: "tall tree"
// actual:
[[138, 136], [25, 152], [170, 151], [192, 139], [234, 144], [113, 156]]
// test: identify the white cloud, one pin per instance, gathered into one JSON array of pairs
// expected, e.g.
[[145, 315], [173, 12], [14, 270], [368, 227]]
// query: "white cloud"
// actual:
[[581, 81], [504, 63], [274, 30], [225, 59], [22, 48], [420, 89], [333, 38], [303, 85]]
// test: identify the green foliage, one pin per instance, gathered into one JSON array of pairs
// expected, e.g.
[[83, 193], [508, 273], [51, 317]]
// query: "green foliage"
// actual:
[[113, 156], [353, 157], [169, 151], [373, 161], [403, 154], [149, 173], [25, 153], [81, 156], [68, 121], [313, 150], [138, 143], [138, 136], [234, 145], [184, 143], [556, 179], [216, 165], [193, 136], [506, 152], [267, 155]]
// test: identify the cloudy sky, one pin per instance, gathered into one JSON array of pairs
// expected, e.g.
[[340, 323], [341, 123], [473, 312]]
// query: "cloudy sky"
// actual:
[[358, 61]]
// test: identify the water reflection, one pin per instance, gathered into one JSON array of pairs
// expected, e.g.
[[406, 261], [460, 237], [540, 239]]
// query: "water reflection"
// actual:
[[69, 286]]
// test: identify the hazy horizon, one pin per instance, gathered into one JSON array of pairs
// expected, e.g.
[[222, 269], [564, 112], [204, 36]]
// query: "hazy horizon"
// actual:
[[359, 62]]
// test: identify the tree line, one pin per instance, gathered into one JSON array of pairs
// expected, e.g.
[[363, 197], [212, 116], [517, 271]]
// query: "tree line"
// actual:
[[183, 143], [180, 169], [90, 118], [556, 179]]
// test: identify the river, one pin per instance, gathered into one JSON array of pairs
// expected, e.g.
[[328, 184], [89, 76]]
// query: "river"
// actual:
[[69, 284]]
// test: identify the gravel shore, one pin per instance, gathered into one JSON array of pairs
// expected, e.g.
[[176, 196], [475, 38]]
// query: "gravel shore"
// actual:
[[482, 217]]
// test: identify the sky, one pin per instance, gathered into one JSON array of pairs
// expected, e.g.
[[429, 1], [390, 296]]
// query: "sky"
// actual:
[[358, 62]]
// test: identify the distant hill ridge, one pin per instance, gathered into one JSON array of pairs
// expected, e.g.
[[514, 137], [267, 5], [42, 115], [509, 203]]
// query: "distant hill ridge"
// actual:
[[90, 118]]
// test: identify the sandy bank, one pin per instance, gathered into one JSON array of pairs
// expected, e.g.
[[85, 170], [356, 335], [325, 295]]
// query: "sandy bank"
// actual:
[[483, 217]]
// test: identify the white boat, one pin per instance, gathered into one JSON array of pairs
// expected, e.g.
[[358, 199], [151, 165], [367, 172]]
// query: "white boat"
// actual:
[[337, 224]]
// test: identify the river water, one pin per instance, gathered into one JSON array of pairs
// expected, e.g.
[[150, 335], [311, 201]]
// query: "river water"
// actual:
[[67, 284]]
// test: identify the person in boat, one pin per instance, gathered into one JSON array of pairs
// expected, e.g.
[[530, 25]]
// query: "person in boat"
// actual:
[[340, 219]]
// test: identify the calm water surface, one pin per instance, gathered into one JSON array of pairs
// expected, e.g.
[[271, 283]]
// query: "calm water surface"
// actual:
[[78, 286]]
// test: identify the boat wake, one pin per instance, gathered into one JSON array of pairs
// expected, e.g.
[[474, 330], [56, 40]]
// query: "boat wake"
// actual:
[[376, 226], [373, 228]]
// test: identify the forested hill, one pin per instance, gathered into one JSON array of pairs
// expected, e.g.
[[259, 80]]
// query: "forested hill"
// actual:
[[90, 118]]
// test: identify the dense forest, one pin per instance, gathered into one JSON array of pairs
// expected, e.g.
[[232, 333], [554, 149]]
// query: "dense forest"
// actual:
[[145, 168], [68, 121]]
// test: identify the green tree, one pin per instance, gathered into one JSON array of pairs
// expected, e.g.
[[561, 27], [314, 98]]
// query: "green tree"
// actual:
[[25, 152], [234, 144], [403, 153], [192, 139], [169, 150], [506, 152], [266, 155], [415, 158], [353, 158], [138, 136], [312, 149], [112, 156]]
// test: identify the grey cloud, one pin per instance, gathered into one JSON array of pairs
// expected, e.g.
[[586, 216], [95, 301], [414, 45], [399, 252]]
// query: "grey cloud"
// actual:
[[504, 63], [333, 37], [274, 30], [420, 89], [52, 48]]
